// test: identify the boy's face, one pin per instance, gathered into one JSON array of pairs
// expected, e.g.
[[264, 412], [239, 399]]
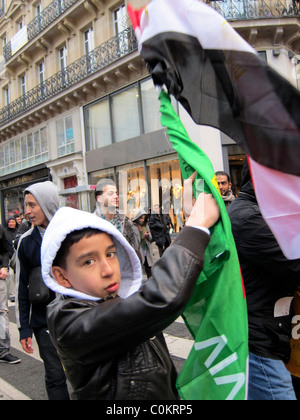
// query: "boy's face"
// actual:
[[92, 267]]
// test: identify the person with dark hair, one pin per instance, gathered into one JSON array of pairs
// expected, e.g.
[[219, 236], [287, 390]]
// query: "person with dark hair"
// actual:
[[159, 224], [270, 280], [32, 298], [225, 185], [6, 252], [107, 203], [143, 239], [107, 326]]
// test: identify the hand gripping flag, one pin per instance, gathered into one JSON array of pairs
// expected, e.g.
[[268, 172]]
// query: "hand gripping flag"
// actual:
[[216, 316], [222, 82]]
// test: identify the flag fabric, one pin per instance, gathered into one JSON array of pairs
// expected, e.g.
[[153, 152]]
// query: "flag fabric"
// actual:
[[216, 316], [222, 82]]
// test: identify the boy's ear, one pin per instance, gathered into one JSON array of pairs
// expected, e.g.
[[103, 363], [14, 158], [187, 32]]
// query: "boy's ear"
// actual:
[[59, 275]]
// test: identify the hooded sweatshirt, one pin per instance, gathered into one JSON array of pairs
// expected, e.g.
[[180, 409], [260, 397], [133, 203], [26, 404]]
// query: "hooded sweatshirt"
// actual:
[[30, 316], [46, 194], [65, 221], [114, 348]]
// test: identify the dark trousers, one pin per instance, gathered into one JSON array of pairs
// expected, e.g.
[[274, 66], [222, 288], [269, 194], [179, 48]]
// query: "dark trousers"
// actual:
[[147, 268], [161, 249], [55, 378], [296, 384]]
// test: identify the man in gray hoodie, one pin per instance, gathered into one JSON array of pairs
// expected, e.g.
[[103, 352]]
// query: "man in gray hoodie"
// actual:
[[41, 203]]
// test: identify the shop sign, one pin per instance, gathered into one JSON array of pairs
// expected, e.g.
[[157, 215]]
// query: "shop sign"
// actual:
[[23, 179]]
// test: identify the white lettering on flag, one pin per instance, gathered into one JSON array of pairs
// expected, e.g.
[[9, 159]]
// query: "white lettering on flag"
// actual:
[[220, 342]]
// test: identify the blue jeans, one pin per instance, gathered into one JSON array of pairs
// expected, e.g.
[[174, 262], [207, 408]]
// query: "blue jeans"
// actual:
[[269, 380]]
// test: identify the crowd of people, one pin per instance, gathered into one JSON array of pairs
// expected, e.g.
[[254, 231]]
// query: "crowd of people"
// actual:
[[78, 276]]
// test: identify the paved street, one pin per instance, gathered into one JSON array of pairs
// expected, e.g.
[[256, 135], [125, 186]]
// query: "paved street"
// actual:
[[25, 381]]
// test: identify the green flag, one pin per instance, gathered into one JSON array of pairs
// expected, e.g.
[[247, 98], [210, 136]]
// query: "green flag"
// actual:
[[216, 316]]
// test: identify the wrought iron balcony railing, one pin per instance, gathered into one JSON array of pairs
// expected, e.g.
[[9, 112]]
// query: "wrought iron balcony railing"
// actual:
[[255, 9], [102, 56], [41, 21]]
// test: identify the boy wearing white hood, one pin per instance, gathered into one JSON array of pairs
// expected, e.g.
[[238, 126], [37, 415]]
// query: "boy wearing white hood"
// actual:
[[106, 328]]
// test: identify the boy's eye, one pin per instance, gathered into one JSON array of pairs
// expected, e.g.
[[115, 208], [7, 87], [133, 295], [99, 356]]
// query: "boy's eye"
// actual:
[[89, 262], [111, 254]]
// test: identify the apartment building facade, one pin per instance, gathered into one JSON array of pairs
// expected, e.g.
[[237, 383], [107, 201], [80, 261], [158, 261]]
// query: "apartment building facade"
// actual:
[[77, 103]]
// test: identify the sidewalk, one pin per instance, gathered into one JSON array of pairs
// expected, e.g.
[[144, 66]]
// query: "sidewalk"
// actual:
[[9, 393]]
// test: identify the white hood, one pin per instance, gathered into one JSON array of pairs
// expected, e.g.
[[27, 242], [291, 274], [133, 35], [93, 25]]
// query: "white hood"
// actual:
[[65, 221]]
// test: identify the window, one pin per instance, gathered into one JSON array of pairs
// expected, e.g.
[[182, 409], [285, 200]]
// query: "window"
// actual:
[[88, 46], [98, 126], [166, 188], [133, 189], [120, 24], [125, 115], [24, 152], [63, 58], [41, 77], [62, 62], [38, 19], [65, 137], [23, 84], [41, 70], [23, 89], [120, 20], [38, 9], [19, 25], [150, 106], [88, 41], [6, 96], [98, 176]]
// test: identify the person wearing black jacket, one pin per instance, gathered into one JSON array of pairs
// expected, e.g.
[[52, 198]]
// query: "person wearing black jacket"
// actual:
[[270, 280], [159, 225], [6, 252], [107, 328], [41, 202]]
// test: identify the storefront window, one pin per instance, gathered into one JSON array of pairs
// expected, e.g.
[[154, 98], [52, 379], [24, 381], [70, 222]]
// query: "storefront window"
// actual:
[[14, 202], [133, 189], [162, 184], [125, 115], [13, 191], [166, 188], [95, 178]]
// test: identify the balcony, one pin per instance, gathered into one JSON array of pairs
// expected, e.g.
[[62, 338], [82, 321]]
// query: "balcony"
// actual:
[[40, 22], [98, 59], [234, 10]]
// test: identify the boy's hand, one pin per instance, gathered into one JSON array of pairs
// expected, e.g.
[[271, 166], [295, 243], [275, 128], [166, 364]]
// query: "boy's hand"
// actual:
[[204, 211]]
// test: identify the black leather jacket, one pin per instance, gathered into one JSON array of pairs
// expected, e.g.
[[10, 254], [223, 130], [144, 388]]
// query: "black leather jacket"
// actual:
[[114, 349]]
